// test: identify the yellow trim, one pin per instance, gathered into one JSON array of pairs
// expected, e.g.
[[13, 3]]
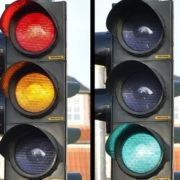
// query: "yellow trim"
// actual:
[[162, 56], [61, 57], [55, 179], [160, 118], [56, 118], [161, 178]]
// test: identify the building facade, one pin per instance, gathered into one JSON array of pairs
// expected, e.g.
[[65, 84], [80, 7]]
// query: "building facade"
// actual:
[[78, 115]]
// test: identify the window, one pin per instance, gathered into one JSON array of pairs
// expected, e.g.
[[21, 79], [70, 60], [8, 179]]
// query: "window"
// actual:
[[76, 109]]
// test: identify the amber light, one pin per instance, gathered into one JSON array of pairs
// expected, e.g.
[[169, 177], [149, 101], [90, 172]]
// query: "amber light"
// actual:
[[35, 92], [5, 81]]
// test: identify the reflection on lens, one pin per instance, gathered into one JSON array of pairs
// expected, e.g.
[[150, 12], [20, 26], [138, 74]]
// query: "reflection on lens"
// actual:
[[141, 92], [142, 30], [141, 153], [35, 92], [34, 154]]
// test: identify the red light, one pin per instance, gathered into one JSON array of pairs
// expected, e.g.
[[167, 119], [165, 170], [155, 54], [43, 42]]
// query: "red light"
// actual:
[[9, 12], [35, 32]]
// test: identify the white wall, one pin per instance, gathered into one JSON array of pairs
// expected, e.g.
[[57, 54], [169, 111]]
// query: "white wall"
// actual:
[[1, 166]]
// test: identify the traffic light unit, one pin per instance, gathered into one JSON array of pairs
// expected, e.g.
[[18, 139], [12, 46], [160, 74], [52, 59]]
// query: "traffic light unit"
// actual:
[[141, 83], [2, 99], [103, 50], [34, 144]]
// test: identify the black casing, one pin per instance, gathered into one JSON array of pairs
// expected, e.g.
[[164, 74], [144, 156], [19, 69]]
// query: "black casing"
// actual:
[[160, 121], [53, 62]]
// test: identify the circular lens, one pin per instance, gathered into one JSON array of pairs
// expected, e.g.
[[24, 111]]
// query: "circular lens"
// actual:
[[142, 30], [141, 153], [35, 155], [35, 32], [35, 92], [141, 92]]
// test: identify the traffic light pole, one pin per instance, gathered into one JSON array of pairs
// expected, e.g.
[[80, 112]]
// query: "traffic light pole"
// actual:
[[100, 164], [100, 131], [1, 165]]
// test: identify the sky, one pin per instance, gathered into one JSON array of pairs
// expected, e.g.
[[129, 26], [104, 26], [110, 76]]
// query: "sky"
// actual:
[[100, 25], [78, 38]]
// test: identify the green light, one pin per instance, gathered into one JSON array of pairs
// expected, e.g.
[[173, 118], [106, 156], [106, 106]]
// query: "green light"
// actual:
[[141, 153], [111, 142]]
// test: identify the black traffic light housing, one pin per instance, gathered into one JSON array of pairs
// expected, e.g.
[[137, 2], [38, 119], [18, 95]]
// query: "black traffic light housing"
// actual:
[[152, 11], [102, 107], [2, 99], [15, 144], [141, 83], [103, 50], [34, 83]]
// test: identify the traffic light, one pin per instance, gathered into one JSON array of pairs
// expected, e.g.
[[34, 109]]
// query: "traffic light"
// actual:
[[176, 88], [141, 83], [102, 107], [74, 176], [34, 83], [103, 49], [2, 100]]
